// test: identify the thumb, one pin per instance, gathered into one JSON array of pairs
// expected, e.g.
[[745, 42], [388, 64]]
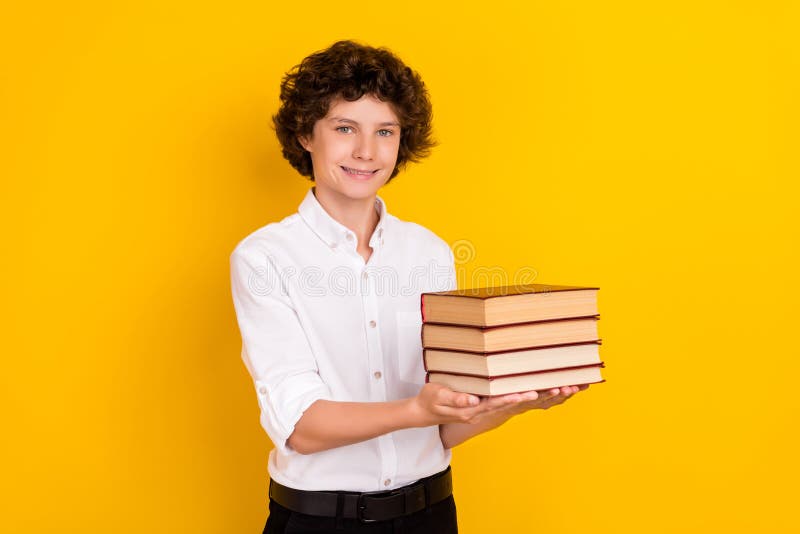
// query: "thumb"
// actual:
[[465, 399]]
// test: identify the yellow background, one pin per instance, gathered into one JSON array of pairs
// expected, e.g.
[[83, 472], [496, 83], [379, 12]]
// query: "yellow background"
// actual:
[[646, 148]]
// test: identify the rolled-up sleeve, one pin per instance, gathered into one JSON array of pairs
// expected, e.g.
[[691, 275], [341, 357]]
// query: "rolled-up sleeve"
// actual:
[[275, 348]]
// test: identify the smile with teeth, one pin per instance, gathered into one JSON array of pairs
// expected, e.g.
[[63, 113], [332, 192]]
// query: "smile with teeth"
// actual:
[[358, 172]]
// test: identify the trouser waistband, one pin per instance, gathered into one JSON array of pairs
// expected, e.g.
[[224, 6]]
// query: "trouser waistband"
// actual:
[[366, 506]]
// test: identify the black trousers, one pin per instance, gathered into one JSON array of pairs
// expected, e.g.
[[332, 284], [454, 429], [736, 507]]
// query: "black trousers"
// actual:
[[440, 518]]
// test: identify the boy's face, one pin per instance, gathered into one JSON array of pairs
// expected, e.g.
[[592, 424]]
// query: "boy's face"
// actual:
[[363, 135]]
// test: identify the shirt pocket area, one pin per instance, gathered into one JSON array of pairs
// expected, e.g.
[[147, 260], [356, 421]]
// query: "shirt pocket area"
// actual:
[[409, 347]]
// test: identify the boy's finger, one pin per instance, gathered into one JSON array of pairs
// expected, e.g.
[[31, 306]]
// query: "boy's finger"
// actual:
[[503, 400], [449, 397], [469, 412], [463, 400]]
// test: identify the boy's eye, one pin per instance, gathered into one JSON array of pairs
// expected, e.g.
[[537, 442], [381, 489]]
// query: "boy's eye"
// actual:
[[382, 133]]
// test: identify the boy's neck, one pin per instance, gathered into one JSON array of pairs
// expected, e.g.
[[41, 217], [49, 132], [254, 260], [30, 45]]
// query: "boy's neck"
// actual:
[[359, 215]]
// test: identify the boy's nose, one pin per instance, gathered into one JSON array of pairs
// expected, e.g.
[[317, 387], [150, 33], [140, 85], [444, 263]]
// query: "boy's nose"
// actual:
[[364, 148]]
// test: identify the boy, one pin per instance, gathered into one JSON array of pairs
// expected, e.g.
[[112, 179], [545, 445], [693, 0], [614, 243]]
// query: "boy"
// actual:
[[327, 302]]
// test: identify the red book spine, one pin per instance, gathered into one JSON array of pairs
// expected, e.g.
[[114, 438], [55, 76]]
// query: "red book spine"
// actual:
[[421, 340]]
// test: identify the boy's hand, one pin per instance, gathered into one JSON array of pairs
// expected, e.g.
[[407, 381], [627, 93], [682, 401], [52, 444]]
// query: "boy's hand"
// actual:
[[517, 403], [437, 404]]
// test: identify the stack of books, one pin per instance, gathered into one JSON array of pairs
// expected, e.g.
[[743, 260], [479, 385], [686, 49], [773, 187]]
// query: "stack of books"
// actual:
[[498, 340]]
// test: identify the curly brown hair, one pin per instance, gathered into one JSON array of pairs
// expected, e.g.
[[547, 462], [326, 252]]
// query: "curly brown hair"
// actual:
[[350, 70]]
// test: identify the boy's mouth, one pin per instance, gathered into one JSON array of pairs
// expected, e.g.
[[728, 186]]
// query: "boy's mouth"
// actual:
[[357, 172]]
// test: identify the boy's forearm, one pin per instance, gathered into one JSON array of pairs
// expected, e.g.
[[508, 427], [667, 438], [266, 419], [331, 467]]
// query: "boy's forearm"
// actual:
[[453, 434], [329, 424]]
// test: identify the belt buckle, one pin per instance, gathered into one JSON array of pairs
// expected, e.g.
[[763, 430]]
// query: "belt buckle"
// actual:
[[360, 506]]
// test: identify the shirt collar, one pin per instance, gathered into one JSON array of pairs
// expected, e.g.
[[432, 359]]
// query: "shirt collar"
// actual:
[[334, 233]]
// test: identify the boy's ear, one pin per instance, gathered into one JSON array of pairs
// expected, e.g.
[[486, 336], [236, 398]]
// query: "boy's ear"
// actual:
[[303, 142]]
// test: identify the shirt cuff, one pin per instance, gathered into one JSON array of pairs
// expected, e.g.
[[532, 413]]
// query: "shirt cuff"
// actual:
[[283, 405]]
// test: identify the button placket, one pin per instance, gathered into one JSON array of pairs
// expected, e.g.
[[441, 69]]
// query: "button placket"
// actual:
[[373, 337], [377, 387]]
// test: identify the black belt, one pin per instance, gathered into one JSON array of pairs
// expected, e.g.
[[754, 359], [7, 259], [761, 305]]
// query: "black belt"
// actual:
[[369, 506]]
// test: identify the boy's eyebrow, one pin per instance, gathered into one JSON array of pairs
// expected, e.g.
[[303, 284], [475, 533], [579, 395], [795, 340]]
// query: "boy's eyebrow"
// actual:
[[343, 119]]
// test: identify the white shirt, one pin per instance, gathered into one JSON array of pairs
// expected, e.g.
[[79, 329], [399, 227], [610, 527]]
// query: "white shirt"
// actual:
[[317, 322]]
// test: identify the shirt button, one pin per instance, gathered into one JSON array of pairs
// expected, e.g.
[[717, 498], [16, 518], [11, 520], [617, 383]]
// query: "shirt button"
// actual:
[[372, 324], [349, 237], [377, 374], [387, 481], [262, 390], [333, 245]]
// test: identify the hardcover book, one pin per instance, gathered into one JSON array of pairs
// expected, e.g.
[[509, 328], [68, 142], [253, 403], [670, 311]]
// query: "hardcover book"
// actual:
[[503, 385], [511, 361], [492, 306], [511, 336]]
